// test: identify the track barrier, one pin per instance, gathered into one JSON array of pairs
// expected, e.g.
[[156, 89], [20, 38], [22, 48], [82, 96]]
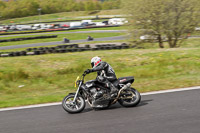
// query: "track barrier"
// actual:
[[63, 49]]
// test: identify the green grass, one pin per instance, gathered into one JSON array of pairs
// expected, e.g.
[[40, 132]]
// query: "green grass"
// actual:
[[48, 78], [60, 16], [187, 43], [194, 42], [77, 36]]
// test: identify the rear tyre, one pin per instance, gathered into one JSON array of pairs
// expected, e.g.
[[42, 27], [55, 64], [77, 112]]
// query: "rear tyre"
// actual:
[[71, 107], [132, 101]]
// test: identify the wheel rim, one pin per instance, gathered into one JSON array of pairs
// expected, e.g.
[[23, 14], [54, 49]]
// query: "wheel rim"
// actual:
[[68, 103], [132, 99]]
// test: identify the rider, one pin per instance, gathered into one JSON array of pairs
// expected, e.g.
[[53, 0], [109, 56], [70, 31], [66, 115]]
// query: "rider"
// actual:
[[89, 38], [105, 73], [65, 40]]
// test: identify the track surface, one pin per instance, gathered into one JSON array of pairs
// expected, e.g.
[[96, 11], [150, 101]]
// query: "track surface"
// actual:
[[67, 32], [176, 112], [60, 42]]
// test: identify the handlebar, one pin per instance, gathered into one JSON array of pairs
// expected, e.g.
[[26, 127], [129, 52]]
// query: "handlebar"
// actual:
[[83, 76]]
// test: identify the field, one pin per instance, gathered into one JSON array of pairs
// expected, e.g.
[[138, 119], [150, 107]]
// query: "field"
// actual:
[[48, 78]]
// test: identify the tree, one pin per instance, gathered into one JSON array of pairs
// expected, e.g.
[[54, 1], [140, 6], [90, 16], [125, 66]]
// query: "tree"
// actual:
[[173, 19], [2, 6], [89, 5]]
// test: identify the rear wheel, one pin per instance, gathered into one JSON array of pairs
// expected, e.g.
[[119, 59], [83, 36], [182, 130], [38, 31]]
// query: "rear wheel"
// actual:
[[132, 98], [75, 107]]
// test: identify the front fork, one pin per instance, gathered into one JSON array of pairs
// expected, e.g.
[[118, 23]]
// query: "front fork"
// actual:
[[77, 91]]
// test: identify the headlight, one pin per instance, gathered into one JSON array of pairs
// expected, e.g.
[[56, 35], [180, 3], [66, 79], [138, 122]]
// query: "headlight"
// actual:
[[78, 82]]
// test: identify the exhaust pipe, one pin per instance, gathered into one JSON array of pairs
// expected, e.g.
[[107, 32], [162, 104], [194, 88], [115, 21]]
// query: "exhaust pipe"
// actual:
[[125, 87], [128, 85]]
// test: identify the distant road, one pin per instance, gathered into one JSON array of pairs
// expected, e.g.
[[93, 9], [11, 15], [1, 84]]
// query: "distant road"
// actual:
[[60, 42], [67, 32], [176, 112]]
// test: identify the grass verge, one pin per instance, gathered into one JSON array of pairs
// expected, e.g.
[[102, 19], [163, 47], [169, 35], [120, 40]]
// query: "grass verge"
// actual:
[[48, 78]]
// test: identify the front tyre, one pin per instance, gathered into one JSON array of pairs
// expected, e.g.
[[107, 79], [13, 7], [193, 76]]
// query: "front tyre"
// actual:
[[133, 98], [71, 107]]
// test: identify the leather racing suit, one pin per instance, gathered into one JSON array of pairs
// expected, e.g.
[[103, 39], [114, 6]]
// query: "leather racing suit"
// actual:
[[105, 74]]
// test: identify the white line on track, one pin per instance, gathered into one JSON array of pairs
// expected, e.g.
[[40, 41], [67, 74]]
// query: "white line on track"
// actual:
[[59, 103]]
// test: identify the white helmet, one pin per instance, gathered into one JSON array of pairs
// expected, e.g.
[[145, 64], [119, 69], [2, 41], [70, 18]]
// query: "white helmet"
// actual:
[[95, 61]]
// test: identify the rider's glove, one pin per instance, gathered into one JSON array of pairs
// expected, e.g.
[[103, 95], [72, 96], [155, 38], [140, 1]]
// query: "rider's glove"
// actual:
[[88, 71]]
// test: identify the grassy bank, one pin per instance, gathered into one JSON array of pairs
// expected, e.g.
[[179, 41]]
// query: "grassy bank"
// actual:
[[48, 78]]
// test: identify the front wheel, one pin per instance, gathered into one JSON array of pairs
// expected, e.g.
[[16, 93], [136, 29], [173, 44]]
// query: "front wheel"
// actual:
[[132, 98], [75, 107]]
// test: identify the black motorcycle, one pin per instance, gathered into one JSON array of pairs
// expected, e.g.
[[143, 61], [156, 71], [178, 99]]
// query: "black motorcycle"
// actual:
[[90, 38], [98, 96]]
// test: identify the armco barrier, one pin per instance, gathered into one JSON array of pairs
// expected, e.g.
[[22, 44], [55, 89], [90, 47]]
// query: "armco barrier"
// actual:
[[63, 49]]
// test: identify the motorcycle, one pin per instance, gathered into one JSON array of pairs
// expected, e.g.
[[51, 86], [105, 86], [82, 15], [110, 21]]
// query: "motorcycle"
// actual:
[[66, 40], [90, 39], [98, 96]]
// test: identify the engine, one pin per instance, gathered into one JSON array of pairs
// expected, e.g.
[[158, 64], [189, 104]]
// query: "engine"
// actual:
[[101, 97], [96, 92]]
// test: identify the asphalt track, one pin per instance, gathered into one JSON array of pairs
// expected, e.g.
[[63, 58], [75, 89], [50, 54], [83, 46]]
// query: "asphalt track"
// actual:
[[60, 42], [67, 32], [176, 112]]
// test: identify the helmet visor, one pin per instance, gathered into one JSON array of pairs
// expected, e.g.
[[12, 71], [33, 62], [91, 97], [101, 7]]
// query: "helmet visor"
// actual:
[[92, 64]]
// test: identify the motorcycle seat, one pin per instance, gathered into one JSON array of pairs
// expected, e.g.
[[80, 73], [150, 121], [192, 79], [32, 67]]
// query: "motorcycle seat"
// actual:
[[123, 80]]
